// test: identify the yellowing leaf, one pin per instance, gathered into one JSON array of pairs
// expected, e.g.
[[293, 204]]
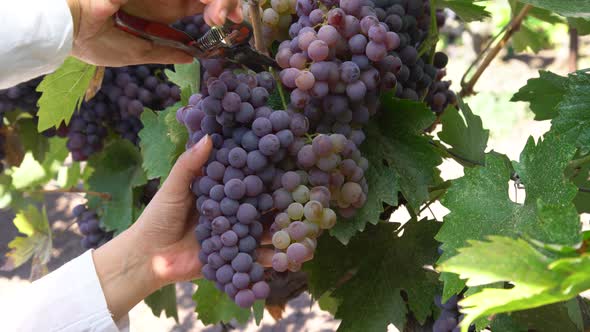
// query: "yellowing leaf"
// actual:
[[36, 243]]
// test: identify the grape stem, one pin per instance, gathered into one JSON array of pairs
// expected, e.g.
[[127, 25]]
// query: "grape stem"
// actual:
[[511, 28], [104, 196], [256, 21]]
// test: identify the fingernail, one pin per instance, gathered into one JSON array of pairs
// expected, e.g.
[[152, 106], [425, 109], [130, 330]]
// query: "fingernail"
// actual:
[[201, 143]]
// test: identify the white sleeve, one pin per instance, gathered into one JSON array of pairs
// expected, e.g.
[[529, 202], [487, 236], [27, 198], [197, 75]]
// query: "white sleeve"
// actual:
[[70, 299], [36, 36]]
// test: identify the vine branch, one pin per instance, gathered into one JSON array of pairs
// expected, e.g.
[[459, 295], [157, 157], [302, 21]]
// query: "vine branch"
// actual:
[[104, 196], [256, 21], [513, 26]]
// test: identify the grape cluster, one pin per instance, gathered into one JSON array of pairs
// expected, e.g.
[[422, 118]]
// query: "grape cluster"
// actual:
[[449, 318], [118, 106], [89, 225], [250, 140], [23, 97]]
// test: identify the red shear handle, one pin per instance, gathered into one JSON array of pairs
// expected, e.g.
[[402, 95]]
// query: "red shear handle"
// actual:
[[157, 32]]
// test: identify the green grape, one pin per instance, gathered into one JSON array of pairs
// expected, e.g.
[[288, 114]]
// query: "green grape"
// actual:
[[270, 17], [328, 219], [313, 211], [281, 240], [295, 211], [313, 230], [280, 6], [301, 194], [282, 220]]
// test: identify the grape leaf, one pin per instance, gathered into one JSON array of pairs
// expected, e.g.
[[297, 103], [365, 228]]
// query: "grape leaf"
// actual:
[[62, 92], [258, 311], [32, 172], [156, 144], [531, 39], [405, 147], [36, 243], [573, 121], [581, 25], [164, 299], [480, 206], [538, 279], [372, 299], [30, 139], [466, 135], [69, 176], [214, 306], [370, 273], [468, 10], [384, 185], [177, 131], [543, 94], [186, 75], [563, 316], [117, 170], [570, 8], [581, 179], [400, 159]]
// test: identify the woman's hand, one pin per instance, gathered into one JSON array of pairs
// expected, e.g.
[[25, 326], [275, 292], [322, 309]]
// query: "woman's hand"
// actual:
[[161, 247], [98, 42]]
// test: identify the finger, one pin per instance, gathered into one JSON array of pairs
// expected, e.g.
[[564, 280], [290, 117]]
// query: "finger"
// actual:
[[264, 256], [217, 11], [237, 15], [186, 169]]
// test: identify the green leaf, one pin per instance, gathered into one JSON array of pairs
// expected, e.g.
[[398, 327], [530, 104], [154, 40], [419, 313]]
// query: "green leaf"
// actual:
[[384, 185], [117, 170], [570, 8], [36, 243], [214, 306], [401, 159], [31, 139], [480, 206], [69, 176], [163, 299], [63, 92], [328, 303], [186, 76], [406, 149], [528, 38], [156, 144], [581, 178], [582, 25], [32, 172], [468, 10], [177, 132], [538, 280], [371, 272], [258, 311], [543, 94], [573, 121], [466, 135]]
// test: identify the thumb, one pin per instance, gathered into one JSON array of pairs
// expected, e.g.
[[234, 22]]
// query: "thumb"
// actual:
[[187, 167]]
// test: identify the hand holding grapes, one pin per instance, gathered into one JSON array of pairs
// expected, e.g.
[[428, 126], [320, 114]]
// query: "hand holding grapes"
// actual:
[[160, 248], [97, 41]]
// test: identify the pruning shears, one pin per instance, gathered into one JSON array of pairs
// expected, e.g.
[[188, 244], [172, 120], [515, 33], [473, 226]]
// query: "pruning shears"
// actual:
[[230, 41]]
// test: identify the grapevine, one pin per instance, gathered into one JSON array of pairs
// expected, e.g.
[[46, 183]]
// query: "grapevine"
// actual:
[[311, 158]]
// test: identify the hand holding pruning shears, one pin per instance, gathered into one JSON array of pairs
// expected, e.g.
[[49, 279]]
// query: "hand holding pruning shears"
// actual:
[[98, 41]]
